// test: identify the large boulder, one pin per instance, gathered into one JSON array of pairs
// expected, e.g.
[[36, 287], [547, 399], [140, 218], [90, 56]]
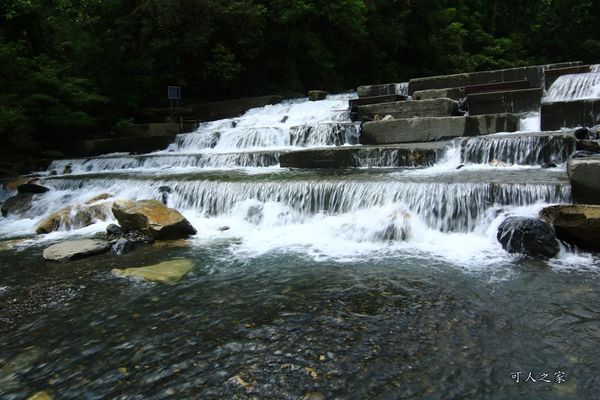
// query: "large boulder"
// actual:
[[32, 188], [17, 205], [153, 217], [165, 272], [575, 224], [74, 249], [529, 236]]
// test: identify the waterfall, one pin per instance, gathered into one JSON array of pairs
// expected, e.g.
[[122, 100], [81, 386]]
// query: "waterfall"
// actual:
[[402, 88], [574, 87]]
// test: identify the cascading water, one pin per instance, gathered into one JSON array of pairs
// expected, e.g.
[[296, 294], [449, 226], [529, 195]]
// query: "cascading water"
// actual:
[[202, 171], [402, 88], [574, 87]]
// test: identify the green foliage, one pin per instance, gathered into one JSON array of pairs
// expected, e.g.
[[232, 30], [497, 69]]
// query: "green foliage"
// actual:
[[74, 68]]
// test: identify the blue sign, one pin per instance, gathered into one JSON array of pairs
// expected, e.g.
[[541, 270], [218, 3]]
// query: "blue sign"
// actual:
[[174, 92]]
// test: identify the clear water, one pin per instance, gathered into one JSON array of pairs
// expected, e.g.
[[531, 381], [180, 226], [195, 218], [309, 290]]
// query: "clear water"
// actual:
[[368, 283]]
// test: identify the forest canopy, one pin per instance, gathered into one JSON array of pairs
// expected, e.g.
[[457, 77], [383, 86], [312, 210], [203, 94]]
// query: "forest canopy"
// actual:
[[73, 68]]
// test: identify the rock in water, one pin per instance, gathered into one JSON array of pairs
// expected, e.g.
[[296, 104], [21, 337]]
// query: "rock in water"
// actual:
[[166, 272], [529, 236], [123, 246], [316, 95], [153, 217], [74, 217], [31, 188], [581, 133], [73, 249], [18, 204], [575, 224], [40, 396]]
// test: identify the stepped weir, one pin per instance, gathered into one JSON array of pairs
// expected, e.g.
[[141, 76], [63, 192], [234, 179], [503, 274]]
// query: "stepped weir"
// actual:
[[345, 248]]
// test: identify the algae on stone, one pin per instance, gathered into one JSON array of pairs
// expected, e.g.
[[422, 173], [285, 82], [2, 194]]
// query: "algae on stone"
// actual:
[[166, 272]]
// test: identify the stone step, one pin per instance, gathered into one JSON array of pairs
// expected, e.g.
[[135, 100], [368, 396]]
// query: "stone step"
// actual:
[[533, 74], [583, 174], [416, 155], [570, 114], [511, 101], [418, 129], [449, 93], [551, 75], [409, 109], [96, 147], [355, 103], [498, 87]]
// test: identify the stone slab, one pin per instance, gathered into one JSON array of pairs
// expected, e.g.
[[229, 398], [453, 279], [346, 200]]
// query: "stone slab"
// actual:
[[402, 155], [449, 93], [513, 101], [498, 87], [355, 103], [533, 74], [570, 114], [73, 249], [408, 109], [585, 185], [419, 129]]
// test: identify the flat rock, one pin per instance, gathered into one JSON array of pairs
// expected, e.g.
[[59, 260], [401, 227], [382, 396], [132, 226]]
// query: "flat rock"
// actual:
[[575, 224], [153, 217], [165, 272], [74, 249]]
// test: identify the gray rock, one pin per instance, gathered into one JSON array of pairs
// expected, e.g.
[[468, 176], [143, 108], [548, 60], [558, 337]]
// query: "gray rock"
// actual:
[[450, 93], [583, 174], [513, 101], [376, 90], [114, 231], [123, 246], [569, 114], [588, 145], [74, 249], [529, 236], [581, 133]]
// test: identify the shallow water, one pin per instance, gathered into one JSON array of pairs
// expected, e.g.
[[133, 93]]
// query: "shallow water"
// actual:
[[283, 325]]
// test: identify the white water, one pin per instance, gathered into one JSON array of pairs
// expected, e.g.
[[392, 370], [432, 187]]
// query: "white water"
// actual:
[[574, 87], [450, 213]]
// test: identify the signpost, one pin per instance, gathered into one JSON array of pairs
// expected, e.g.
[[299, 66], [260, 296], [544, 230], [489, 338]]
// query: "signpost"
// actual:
[[174, 93]]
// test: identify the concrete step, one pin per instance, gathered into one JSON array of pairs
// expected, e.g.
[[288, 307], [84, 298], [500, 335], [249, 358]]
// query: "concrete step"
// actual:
[[409, 109], [498, 87], [570, 114], [376, 90], [416, 155], [419, 129], [448, 93], [363, 101], [551, 75], [533, 74], [512, 101]]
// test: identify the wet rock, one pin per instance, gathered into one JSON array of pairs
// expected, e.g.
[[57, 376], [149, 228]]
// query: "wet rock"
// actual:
[[165, 272], [316, 95], [223, 228], [74, 249], [32, 188], [575, 224], [14, 184], [254, 215], [164, 191], [152, 217], [123, 246], [40, 396], [549, 165], [74, 217], [460, 166], [17, 205], [588, 145], [581, 133], [529, 236], [387, 118], [68, 169], [114, 231]]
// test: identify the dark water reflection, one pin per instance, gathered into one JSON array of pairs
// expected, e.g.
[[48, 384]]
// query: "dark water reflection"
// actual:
[[285, 327]]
